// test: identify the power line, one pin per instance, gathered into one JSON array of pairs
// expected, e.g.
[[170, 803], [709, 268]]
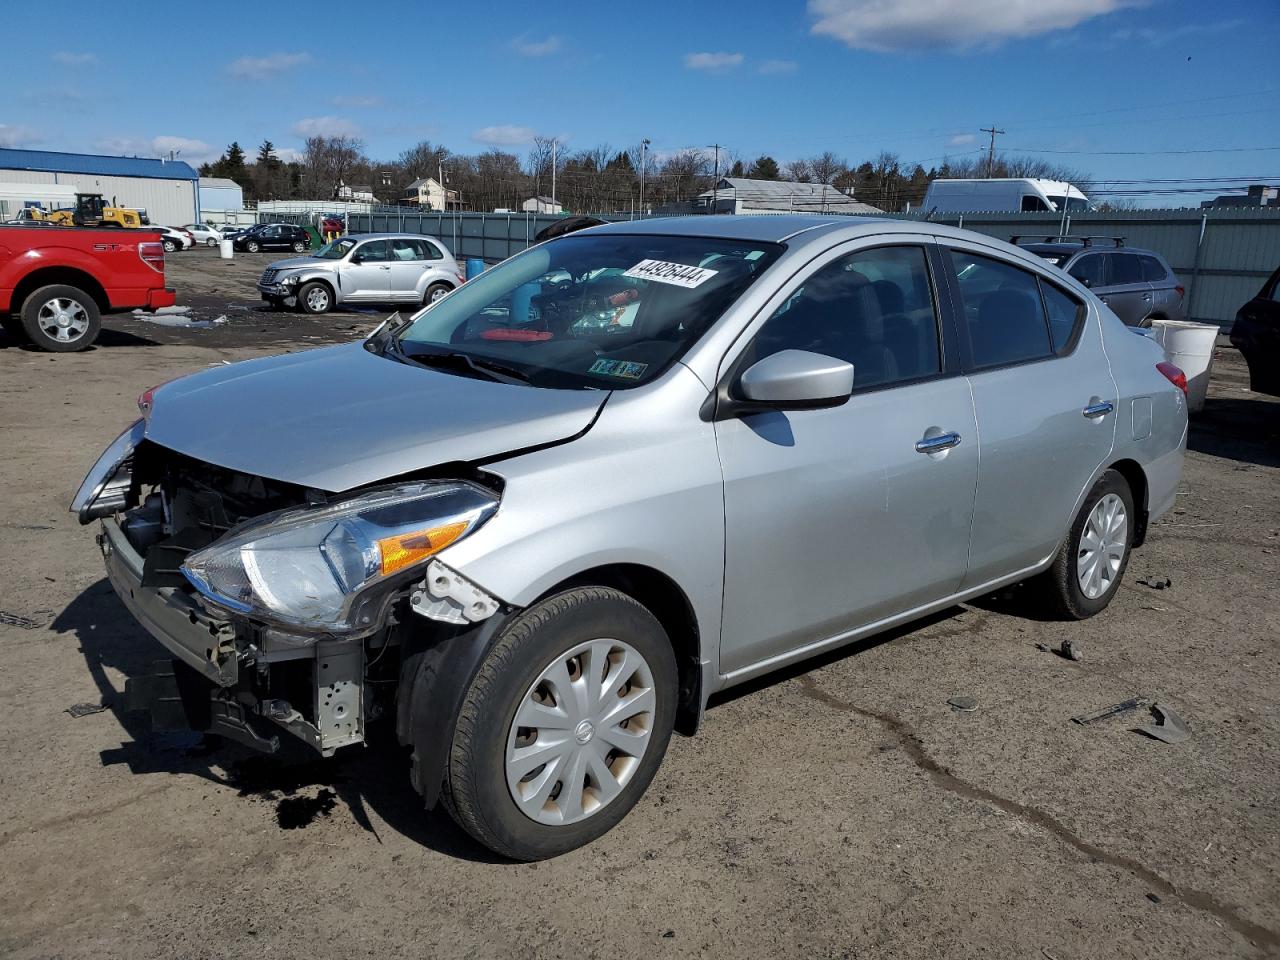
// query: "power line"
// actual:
[[1144, 153]]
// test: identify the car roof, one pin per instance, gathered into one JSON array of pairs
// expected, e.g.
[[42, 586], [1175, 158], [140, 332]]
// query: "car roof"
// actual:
[[389, 236], [1068, 247], [769, 229]]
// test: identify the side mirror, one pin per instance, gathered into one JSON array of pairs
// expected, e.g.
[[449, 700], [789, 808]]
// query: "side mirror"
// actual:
[[356, 258], [796, 380]]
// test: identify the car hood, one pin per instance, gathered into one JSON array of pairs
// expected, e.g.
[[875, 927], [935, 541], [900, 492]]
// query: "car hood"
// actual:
[[293, 263], [341, 417]]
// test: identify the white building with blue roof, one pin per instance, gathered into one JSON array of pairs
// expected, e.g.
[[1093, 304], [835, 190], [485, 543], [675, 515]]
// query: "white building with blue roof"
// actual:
[[168, 190]]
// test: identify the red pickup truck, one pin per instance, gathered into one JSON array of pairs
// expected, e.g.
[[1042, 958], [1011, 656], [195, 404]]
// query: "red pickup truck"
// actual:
[[56, 282]]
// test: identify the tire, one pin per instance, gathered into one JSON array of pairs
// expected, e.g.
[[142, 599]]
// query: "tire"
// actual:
[[523, 666], [435, 292], [169, 245], [252, 246], [299, 246], [211, 242], [60, 318], [1061, 587], [315, 297]]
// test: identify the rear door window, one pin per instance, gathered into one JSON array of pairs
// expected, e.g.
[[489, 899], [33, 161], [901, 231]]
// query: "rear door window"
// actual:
[[1125, 268], [1091, 270], [1003, 311], [1153, 270], [1065, 314]]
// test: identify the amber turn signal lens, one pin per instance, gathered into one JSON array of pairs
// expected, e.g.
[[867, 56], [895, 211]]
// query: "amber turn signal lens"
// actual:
[[406, 549]]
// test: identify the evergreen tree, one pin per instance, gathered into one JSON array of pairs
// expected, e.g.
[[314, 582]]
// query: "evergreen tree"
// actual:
[[764, 168]]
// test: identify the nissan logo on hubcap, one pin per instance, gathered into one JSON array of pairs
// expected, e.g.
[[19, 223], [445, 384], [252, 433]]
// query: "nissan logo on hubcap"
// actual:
[[584, 731]]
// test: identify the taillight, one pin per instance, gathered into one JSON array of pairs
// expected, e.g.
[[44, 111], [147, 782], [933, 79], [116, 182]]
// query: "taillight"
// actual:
[[1182, 291], [152, 254], [1173, 373]]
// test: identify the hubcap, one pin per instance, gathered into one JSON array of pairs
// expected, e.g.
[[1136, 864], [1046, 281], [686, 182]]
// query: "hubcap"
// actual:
[[63, 319], [1102, 545], [580, 732], [317, 299], [437, 293]]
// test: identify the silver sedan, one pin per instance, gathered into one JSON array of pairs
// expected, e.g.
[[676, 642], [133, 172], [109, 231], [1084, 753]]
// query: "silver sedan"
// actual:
[[542, 522]]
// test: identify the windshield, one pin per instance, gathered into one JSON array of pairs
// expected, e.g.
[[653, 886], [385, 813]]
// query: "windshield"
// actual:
[[1073, 203], [605, 312], [335, 249]]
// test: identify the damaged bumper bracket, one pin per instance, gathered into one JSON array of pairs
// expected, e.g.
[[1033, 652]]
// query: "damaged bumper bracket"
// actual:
[[448, 596]]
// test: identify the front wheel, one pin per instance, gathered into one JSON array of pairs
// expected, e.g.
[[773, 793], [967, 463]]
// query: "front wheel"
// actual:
[[315, 297], [61, 318], [1086, 573], [211, 242], [564, 725], [252, 246]]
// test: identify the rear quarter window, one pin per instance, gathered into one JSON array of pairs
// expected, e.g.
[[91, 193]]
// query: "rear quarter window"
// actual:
[[1153, 270]]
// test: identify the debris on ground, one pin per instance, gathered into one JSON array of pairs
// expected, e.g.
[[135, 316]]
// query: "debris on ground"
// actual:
[[79, 710], [963, 704], [1072, 650], [1124, 706], [1153, 898], [15, 620], [1156, 583], [1171, 728]]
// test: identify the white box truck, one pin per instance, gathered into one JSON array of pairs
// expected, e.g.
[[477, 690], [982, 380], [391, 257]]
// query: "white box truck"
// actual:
[[1027, 194], [49, 196]]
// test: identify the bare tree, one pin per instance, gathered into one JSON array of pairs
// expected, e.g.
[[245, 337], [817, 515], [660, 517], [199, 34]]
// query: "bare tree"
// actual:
[[328, 163], [798, 171], [826, 167]]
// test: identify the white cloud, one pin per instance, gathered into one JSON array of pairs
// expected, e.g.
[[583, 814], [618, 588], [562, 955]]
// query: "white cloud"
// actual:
[[72, 59], [356, 100], [894, 26], [712, 62], [777, 66], [326, 127], [504, 135], [16, 135], [289, 154], [187, 149], [263, 68], [961, 140], [1159, 36], [527, 47]]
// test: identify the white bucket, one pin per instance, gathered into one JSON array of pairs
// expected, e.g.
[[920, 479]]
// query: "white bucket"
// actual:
[[1189, 346], [225, 249]]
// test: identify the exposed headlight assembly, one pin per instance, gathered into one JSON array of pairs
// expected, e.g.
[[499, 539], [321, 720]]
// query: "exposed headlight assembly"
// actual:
[[105, 489], [327, 569]]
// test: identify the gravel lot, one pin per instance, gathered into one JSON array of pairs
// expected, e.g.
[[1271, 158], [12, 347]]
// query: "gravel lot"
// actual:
[[838, 810]]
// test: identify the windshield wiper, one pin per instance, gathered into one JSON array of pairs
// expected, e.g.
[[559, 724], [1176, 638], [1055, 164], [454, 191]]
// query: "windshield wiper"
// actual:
[[497, 372]]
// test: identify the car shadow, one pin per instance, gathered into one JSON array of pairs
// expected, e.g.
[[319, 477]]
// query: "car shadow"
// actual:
[[300, 784], [106, 338], [1244, 429]]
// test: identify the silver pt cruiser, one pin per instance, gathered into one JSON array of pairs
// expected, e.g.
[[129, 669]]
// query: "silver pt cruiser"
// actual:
[[537, 525]]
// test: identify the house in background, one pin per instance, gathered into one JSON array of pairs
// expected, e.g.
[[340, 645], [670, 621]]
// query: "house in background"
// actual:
[[541, 205], [429, 194], [357, 193], [743, 196], [1259, 195]]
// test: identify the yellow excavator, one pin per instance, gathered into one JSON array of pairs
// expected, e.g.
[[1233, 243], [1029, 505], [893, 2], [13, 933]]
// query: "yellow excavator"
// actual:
[[90, 211]]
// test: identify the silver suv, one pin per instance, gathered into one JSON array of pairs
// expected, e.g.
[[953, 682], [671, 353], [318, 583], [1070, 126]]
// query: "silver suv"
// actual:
[[363, 268], [1138, 285], [536, 526]]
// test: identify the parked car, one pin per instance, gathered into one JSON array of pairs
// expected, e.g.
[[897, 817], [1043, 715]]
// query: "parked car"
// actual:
[[1026, 194], [363, 268], [203, 233], [56, 284], [172, 239], [539, 524], [1256, 334], [273, 236], [1138, 285], [232, 230]]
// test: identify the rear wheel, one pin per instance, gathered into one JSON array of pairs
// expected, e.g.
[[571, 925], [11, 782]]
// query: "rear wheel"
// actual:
[[1087, 571], [434, 293], [564, 725], [169, 245], [61, 318], [315, 297], [299, 246]]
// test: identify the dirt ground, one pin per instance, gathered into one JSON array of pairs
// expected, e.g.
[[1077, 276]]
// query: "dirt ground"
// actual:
[[843, 809]]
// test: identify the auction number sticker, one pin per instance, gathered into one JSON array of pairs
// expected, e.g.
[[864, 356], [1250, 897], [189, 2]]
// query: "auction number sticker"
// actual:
[[626, 369], [676, 274]]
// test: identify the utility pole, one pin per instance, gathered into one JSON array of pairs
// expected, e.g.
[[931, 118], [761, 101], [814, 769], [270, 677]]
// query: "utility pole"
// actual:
[[991, 152], [715, 183], [553, 177], [644, 145]]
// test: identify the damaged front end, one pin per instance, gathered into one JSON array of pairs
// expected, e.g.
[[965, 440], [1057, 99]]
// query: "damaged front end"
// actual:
[[283, 608]]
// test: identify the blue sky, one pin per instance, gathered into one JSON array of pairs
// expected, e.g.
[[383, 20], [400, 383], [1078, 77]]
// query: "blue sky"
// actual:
[[1110, 86]]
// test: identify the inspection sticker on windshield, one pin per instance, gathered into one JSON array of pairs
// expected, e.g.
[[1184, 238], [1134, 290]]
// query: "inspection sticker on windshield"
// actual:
[[626, 369], [676, 274]]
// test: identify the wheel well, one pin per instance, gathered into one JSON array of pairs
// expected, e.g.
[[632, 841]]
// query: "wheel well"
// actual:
[[1134, 475], [64, 275], [324, 283], [662, 597]]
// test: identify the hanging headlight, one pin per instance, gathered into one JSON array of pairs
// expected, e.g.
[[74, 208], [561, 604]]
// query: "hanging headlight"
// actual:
[[315, 567], [105, 489]]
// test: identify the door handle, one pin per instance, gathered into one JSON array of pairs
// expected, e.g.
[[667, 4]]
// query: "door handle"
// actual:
[[1146, 296], [943, 441], [1095, 410], [384, 267]]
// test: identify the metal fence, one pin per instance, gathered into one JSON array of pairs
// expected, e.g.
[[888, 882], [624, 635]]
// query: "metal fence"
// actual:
[[1222, 256]]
